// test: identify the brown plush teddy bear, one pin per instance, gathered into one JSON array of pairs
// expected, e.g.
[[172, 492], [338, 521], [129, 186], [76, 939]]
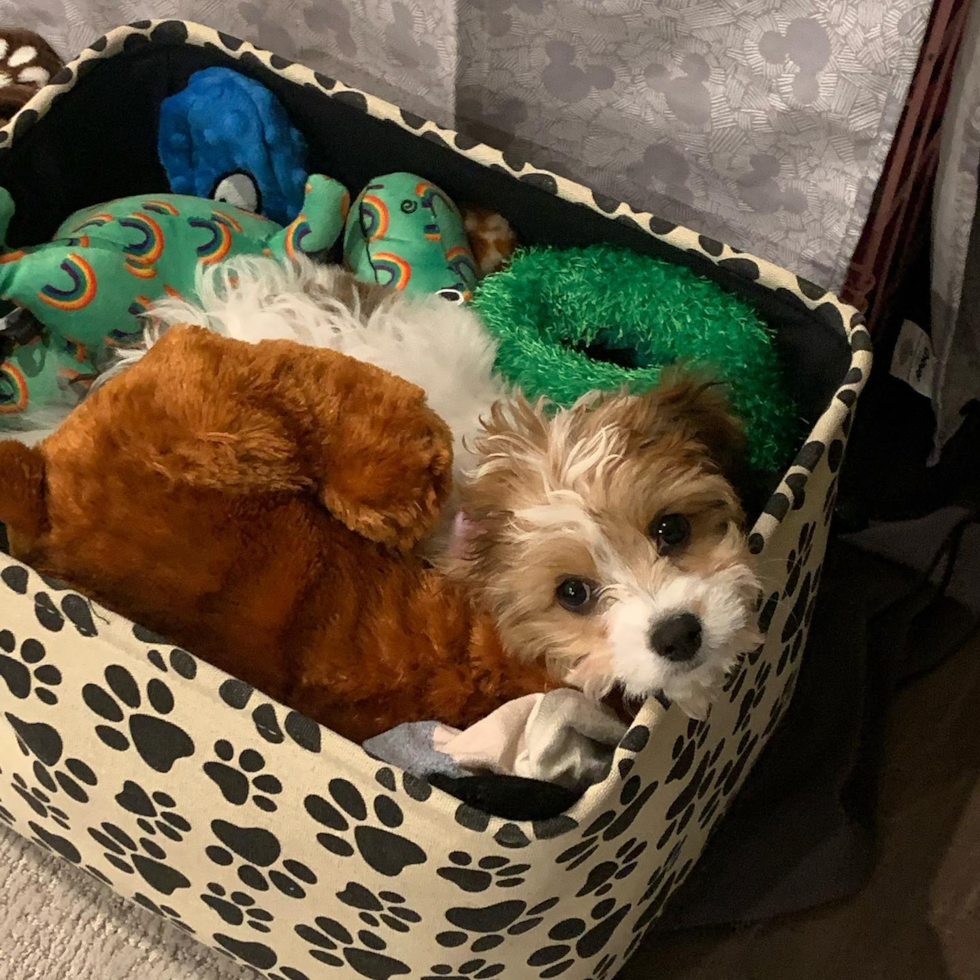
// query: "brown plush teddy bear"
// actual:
[[257, 505]]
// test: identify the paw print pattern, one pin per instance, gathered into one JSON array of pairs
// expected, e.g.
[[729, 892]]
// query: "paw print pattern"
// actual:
[[39, 801], [610, 825], [25, 673], [687, 95], [586, 940], [237, 908], [476, 969], [600, 879], [386, 907], [486, 927], [386, 851], [158, 742], [304, 732], [260, 852], [567, 82], [660, 886], [180, 661], [163, 911], [334, 945], [797, 562], [243, 780], [146, 858], [491, 871], [52, 771], [157, 812], [75, 608], [807, 45]]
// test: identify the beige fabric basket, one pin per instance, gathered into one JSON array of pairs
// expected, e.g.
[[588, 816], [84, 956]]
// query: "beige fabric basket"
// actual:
[[246, 824]]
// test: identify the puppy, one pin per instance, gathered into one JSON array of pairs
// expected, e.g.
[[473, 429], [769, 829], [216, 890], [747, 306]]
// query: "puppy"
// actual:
[[607, 541]]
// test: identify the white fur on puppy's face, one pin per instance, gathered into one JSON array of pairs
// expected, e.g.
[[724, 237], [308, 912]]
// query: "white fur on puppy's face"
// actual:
[[576, 497]]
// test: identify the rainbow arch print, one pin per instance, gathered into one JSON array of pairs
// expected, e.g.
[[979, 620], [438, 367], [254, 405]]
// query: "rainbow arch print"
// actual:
[[96, 221], [82, 290], [391, 270], [161, 207], [143, 254], [374, 218], [218, 245], [295, 234], [14, 393]]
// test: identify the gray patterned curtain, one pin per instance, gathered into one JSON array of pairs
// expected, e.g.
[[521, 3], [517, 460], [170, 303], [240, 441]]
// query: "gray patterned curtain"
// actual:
[[765, 125]]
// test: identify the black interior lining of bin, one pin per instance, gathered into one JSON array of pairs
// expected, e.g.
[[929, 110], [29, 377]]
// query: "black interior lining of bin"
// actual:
[[99, 142]]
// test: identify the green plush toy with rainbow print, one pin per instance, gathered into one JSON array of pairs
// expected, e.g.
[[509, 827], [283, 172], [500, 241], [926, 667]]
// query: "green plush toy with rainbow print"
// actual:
[[106, 264], [404, 232]]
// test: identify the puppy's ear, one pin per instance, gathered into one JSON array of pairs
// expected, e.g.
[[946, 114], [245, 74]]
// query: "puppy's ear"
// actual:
[[698, 405], [22, 506]]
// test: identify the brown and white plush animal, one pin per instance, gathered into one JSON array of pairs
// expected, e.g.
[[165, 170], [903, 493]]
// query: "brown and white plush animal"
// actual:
[[259, 503]]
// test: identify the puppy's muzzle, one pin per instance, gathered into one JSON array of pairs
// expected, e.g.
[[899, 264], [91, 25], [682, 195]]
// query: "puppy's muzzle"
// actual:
[[677, 639]]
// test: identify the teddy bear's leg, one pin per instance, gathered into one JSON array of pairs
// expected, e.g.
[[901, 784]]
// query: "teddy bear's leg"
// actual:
[[22, 506], [319, 224], [281, 417], [381, 458]]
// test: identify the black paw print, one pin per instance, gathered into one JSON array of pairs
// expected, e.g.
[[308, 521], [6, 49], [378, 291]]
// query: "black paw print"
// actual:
[[76, 608], [25, 673], [55, 844], [40, 740], [304, 732], [331, 941], [487, 927], [159, 742], [258, 849], [44, 743], [39, 801], [180, 661], [236, 782], [156, 813], [387, 852], [6, 816], [164, 912], [490, 871], [587, 940], [146, 858], [609, 825], [660, 887], [796, 561], [237, 908], [600, 879], [385, 907], [478, 969]]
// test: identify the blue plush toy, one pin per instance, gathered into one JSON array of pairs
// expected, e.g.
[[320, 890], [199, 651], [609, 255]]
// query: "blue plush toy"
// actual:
[[227, 137]]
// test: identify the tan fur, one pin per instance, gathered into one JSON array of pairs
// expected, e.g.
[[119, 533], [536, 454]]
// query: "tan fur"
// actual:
[[574, 495]]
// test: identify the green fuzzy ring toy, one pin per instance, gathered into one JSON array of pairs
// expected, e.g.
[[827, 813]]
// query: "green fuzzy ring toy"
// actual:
[[576, 320]]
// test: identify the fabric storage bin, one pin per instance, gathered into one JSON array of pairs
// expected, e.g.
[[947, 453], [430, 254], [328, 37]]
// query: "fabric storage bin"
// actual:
[[248, 825]]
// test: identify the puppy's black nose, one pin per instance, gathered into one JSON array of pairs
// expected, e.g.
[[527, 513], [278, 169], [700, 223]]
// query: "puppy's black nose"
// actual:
[[677, 638]]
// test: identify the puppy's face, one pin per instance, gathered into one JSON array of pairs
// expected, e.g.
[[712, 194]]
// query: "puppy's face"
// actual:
[[608, 541]]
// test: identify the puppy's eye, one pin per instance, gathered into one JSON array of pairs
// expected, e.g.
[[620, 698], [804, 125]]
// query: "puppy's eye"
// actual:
[[577, 595], [672, 531]]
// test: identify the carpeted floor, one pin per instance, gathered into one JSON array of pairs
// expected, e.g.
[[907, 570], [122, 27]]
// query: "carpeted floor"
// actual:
[[918, 920]]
